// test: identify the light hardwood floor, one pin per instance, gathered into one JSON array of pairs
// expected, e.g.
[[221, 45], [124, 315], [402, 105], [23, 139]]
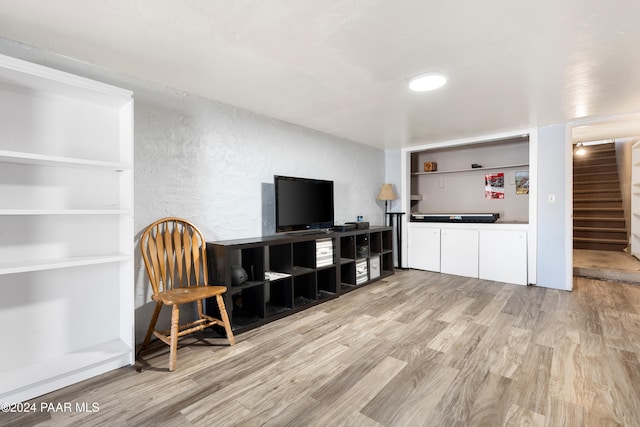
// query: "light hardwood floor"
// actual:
[[417, 349]]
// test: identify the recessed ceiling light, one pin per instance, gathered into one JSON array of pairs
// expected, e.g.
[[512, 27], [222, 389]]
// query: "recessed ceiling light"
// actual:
[[427, 82]]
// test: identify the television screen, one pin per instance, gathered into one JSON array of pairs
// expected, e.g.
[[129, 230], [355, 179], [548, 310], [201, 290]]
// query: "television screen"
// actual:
[[303, 204]]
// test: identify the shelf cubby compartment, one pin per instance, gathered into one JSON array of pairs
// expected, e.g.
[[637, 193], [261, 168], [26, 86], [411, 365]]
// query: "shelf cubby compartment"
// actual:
[[252, 261], [348, 274], [362, 245], [280, 259], [326, 278], [387, 264], [375, 267], [387, 240], [348, 247], [278, 296], [375, 243], [304, 290], [304, 254], [325, 252], [362, 271], [247, 306]]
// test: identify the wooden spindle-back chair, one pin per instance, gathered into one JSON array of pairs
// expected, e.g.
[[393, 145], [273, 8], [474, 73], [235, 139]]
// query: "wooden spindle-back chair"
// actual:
[[174, 254]]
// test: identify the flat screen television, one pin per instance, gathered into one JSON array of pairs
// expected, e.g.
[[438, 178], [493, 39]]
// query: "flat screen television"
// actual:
[[303, 203]]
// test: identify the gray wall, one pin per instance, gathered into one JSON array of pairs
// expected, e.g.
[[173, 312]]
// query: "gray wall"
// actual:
[[214, 164], [554, 219]]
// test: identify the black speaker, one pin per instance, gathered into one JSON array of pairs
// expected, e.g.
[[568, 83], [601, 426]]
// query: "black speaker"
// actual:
[[238, 275]]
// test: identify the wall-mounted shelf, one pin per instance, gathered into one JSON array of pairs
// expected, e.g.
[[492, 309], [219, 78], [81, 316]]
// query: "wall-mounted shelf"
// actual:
[[518, 165]]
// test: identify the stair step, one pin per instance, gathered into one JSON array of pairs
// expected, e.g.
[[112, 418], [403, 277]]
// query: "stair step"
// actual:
[[592, 218], [611, 229], [599, 212], [597, 185], [580, 169], [602, 181], [600, 200], [596, 192], [584, 161], [586, 239], [597, 234], [600, 246], [592, 195], [598, 205], [599, 222], [600, 148], [595, 176], [598, 209]]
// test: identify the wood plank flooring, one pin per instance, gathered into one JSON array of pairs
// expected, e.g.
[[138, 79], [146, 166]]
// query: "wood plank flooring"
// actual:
[[417, 349]]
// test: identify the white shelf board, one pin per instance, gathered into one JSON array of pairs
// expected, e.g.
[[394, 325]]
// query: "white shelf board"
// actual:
[[44, 79], [27, 382], [22, 212], [520, 165], [49, 264], [47, 160]]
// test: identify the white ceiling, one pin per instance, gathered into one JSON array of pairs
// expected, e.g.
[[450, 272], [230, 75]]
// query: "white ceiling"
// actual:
[[341, 66]]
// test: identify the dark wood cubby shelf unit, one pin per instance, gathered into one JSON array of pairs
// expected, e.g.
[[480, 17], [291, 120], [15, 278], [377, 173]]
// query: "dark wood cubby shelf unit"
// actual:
[[310, 274]]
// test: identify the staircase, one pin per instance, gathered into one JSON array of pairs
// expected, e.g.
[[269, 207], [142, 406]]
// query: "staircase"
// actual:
[[598, 214]]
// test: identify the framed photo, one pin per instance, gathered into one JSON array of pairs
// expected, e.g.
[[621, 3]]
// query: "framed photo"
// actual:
[[522, 182], [494, 186]]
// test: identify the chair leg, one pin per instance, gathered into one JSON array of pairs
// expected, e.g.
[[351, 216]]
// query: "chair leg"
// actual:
[[173, 352], [225, 319], [200, 309], [152, 325]]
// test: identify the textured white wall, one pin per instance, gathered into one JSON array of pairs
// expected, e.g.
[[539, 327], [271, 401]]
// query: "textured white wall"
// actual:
[[214, 164]]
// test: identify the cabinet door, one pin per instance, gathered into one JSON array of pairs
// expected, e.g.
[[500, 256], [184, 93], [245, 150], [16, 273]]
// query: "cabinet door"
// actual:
[[459, 252], [503, 256], [424, 249]]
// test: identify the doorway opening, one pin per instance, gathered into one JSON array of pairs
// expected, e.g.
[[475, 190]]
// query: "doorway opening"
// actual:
[[603, 206]]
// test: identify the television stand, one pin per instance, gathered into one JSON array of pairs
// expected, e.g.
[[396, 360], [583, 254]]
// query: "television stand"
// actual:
[[308, 232], [292, 272]]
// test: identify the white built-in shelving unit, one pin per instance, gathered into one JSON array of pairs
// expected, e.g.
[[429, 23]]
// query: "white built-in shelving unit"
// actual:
[[66, 227]]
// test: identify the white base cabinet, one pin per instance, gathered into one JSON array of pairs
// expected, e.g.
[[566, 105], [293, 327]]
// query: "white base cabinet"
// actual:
[[459, 252], [496, 252], [503, 256], [424, 249], [66, 220]]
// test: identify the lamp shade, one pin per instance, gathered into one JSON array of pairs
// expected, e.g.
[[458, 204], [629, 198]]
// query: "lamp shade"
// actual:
[[386, 193]]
